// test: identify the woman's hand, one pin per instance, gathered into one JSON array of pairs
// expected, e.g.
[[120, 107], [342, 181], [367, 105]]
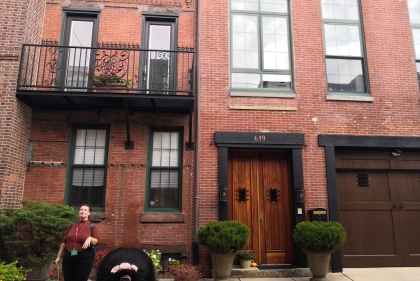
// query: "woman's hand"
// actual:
[[57, 260], [87, 243]]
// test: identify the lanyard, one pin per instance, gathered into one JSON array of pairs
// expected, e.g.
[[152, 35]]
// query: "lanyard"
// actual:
[[78, 234]]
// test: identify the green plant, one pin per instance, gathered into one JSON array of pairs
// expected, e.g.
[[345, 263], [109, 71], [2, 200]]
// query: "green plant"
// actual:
[[245, 255], [185, 272], [155, 256], [173, 262], [10, 272], [319, 236], [223, 236], [33, 233], [110, 77], [99, 256]]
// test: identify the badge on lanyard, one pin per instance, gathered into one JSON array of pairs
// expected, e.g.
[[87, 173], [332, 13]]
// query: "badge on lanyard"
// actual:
[[74, 252]]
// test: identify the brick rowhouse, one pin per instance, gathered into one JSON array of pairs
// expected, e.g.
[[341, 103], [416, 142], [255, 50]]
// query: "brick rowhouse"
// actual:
[[318, 134]]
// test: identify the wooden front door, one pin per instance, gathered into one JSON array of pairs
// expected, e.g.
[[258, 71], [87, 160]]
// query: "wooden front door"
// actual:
[[379, 201], [259, 192]]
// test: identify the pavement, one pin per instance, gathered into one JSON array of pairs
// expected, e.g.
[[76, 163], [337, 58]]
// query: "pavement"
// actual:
[[356, 274]]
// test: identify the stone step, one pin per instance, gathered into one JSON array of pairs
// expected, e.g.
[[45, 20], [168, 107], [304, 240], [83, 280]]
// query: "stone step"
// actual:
[[270, 271]]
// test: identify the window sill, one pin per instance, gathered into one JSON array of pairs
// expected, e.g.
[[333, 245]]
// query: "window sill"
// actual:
[[289, 95], [349, 98], [162, 217]]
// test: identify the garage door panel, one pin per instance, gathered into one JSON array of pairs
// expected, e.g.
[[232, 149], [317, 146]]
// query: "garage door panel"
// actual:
[[370, 233], [363, 186]]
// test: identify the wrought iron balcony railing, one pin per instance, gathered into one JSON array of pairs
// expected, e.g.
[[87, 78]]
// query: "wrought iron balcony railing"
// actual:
[[106, 70]]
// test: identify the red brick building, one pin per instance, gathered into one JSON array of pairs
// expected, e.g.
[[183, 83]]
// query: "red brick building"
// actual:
[[256, 111]]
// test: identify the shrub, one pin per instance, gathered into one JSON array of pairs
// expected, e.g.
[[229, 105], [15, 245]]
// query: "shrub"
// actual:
[[173, 262], [245, 255], [11, 272], [33, 233], [100, 254], [319, 236], [223, 236], [185, 272]]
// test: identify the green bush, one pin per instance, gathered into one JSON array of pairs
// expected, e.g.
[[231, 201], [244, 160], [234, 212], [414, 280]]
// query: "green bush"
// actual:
[[245, 255], [11, 272], [33, 233], [223, 236], [319, 236]]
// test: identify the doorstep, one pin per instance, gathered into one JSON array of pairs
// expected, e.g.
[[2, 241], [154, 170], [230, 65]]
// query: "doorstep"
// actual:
[[272, 271]]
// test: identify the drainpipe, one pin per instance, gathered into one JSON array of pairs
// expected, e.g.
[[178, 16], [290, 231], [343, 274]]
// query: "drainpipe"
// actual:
[[197, 137]]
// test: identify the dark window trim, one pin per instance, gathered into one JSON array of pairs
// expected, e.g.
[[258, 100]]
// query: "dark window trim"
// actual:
[[73, 134], [153, 129]]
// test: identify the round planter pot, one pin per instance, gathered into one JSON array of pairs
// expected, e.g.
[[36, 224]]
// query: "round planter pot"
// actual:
[[222, 264], [318, 264], [245, 263]]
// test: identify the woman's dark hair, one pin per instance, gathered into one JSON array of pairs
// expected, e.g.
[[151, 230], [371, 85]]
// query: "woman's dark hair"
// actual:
[[133, 256], [86, 205]]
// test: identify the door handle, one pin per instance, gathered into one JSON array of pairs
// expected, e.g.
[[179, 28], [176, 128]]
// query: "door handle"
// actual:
[[262, 220], [394, 206], [401, 206]]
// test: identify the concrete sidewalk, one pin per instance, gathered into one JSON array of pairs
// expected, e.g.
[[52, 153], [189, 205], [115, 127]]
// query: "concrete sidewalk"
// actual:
[[356, 274]]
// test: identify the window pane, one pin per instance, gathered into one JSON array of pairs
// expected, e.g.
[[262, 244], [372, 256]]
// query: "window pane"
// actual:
[[244, 41], [245, 80], [164, 188], [165, 149], [416, 39], [275, 43], [250, 5], [88, 176], [345, 75], [414, 10], [276, 81], [278, 6], [340, 9], [342, 40], [90, 147]]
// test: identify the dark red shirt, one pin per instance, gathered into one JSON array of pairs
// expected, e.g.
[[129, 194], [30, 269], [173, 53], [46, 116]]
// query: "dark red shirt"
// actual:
[[70, 236]]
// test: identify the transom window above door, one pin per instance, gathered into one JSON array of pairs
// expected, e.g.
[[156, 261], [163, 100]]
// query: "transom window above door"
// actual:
[[260, 45]]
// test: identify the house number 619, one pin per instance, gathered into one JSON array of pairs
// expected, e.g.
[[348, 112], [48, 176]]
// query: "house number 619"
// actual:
[[259, 138]]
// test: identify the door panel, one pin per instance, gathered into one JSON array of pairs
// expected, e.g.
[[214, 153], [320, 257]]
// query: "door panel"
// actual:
[[367, 214], [379, 202], [260, 192]]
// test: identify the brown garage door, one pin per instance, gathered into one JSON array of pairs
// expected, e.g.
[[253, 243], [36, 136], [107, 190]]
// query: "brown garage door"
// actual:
[[379, 203]]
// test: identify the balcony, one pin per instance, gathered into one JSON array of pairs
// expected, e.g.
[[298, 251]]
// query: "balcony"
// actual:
[[63, 78]]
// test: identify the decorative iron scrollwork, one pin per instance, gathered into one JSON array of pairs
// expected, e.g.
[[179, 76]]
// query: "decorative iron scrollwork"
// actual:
[[242, 194], [272, 195]]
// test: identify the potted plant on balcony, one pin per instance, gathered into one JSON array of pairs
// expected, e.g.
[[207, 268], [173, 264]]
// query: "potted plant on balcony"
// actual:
[[245, 258], [318, 240], [32, 234], [223, 239], [110, 77]]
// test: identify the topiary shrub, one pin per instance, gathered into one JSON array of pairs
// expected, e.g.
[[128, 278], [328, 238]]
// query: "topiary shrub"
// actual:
[[245, 255], [319, 236], [223, 236], [33, 234]]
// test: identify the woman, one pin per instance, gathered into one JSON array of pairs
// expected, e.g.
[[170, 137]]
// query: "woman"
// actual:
[[77, 246], [126, 264]]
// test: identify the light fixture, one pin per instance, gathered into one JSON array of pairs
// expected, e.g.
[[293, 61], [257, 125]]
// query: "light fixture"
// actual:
[[396, 152], [223, 193], [300, 196]]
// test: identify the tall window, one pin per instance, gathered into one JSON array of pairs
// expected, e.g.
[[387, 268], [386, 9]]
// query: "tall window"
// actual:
[[165, 169], [88, 167], [260, 44], [414, 12], [344, 51]]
